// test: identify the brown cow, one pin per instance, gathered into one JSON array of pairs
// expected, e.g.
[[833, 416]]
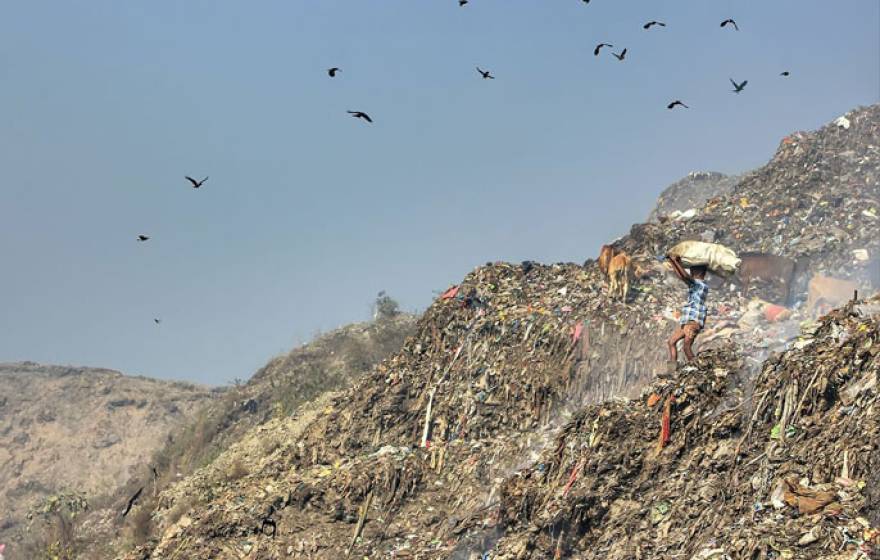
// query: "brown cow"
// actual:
[[825, 293], [605, 256], [769, 268], [619, 272]]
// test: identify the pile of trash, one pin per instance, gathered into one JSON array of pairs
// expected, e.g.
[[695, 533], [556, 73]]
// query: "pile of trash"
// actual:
[[692, 191], [492, 366], [455, 442], [816, 201], [695, 468]]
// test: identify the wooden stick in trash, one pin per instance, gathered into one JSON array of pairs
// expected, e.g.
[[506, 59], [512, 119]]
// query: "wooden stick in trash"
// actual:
[[557, 555], [427, 429], [360, 524]]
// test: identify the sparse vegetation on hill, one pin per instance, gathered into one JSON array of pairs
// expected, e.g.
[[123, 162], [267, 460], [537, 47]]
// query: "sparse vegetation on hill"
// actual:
[[77, 431]]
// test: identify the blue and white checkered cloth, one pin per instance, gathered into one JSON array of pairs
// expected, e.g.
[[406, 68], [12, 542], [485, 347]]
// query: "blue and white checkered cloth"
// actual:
[[695, 308]]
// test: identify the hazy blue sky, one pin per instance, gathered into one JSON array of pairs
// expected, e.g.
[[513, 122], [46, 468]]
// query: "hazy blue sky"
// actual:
[[106, 105]]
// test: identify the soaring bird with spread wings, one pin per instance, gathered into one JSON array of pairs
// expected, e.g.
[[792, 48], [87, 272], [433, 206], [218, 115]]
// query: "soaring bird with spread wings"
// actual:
[[599, 48], [195, 184], [360, 115], [738, 87]]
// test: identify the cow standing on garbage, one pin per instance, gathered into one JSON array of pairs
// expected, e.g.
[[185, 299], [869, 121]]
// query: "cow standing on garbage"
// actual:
[[693, 314]]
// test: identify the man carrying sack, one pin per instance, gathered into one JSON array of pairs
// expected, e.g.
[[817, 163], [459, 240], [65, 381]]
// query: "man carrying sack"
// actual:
[[700, 258], [693, 314]]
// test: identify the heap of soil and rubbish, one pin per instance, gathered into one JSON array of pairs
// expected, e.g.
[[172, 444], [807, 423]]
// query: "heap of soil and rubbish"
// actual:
[[529, 415]]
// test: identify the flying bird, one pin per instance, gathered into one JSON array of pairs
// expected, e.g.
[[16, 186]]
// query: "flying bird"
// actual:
[[157, 321], [620, 56], [485, 73], [360, 115], [738, 87], [132, 501], [462, 2], [725, 22], [599, 48], [676, 102], [196, 184], [652, 23], [332, 71], [143, 237], [786, 74]]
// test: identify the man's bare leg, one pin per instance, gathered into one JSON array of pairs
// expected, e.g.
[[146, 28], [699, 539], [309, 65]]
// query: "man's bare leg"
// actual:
[[689, 337], [677, 335], [688, 352]]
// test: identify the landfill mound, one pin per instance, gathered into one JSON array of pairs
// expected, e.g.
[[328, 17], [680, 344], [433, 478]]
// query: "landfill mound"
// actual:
[[692, 191], [817, 201], [796, 477], [489, 365], [412, 460], [328, 363]]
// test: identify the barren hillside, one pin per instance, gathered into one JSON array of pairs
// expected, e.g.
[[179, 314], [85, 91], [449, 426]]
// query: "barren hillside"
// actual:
[[81, 430]]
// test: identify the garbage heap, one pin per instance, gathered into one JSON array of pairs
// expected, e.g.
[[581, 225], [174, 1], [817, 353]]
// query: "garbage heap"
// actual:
[[426, 438], [692, 191], [817, 201], [423, 457], [692, 469]]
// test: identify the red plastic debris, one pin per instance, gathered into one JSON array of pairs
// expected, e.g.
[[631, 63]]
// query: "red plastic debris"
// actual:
[[574, 476], [665, 428], [450, 293], [576, 335]]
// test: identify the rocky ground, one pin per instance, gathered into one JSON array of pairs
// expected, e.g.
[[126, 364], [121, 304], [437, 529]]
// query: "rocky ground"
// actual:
[[525, 417]]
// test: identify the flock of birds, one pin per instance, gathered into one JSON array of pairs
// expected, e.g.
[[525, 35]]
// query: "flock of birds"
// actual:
[[487, 75]]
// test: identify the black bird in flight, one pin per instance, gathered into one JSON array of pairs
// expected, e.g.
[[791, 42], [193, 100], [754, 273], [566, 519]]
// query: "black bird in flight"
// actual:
[[651, 24], [196, 184], [143, 237], [676, 102], [620, 56], [725, 22], [360, 115], [332, 71], [131, 501], [485, 74], [462, 2], [586, 1], [738, 87], [157, 321], [599, 48], [786, 74]]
